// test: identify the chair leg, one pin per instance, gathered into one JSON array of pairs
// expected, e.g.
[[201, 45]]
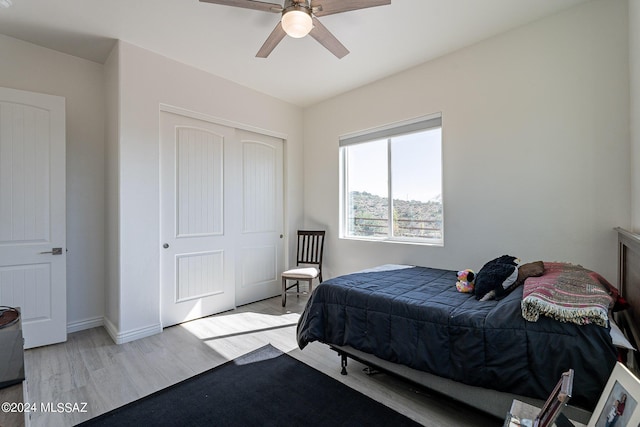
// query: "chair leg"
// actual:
[[284, 292]]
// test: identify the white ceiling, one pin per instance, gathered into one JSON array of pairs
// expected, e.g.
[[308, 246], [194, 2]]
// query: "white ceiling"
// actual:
[[224, 40]]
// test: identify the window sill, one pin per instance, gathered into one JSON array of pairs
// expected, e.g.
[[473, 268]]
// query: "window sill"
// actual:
[[416, 242]]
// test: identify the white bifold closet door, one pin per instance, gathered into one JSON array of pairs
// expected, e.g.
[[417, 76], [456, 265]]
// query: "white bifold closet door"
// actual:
[[221, 217]]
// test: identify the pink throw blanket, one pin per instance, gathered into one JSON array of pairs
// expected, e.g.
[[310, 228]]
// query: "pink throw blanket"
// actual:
[[568, 293]]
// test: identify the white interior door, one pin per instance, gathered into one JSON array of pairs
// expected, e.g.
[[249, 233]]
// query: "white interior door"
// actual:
[[197, 258], [32, 213], [260, 243]]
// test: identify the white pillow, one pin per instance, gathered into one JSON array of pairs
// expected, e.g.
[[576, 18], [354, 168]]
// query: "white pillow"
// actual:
[[618, 338]]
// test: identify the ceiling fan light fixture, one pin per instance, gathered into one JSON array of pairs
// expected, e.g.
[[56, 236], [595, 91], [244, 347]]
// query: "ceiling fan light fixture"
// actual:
[[297, 23]]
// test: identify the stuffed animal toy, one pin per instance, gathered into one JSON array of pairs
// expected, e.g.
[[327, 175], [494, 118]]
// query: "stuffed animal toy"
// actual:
[[465, 281]]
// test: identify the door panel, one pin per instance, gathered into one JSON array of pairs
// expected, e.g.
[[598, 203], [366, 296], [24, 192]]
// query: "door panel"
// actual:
[[200, 167], [197, 270], [259, 265], [200, 275], [260, 255], [259, 189], [24, 175], [32, 213]]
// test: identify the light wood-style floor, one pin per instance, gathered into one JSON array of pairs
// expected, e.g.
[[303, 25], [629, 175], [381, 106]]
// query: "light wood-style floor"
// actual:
[[89, 368]]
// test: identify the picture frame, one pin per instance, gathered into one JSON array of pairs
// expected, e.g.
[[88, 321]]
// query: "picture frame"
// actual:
[[558, 399], [619, 403], [522, 414]]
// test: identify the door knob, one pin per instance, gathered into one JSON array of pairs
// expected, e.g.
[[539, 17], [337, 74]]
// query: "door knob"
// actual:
[[166, 245]]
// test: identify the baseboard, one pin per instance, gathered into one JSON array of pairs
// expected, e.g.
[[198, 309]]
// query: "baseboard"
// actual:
[[111, 329], [132, 335], [81, 325]]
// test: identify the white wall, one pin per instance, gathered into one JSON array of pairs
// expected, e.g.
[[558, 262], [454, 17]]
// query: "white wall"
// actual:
[[145, 81], [536, 145], [29, 67], [634, 63]]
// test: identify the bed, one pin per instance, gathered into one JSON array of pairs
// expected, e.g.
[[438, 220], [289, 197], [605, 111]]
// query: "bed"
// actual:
[[411, 321]]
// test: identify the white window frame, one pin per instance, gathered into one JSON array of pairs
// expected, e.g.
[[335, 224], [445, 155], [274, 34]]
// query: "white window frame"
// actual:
[[418, 124]]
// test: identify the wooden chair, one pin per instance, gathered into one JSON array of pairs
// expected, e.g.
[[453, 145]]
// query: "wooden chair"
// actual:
[[309, 255]]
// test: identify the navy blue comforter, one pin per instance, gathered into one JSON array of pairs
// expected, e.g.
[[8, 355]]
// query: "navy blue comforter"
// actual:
[[416, 317]]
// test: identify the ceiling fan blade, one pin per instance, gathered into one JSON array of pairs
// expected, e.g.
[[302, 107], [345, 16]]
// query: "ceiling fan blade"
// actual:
[[326, 39], [272, 41], [329, 7], [248, 4]]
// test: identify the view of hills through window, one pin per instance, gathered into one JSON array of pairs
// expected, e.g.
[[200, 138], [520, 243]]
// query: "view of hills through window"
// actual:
[[411, 218]]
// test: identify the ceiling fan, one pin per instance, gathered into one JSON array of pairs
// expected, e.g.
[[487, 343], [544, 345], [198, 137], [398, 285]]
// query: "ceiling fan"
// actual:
[[299, 19]]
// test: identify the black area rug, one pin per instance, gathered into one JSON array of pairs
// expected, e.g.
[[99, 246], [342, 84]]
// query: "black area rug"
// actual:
[[263, 388]]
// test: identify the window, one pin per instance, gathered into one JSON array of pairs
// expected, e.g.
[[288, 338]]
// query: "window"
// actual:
[[391, 183]]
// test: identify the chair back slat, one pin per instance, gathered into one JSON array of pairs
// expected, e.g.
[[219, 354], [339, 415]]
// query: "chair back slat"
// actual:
[[310, 247]]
